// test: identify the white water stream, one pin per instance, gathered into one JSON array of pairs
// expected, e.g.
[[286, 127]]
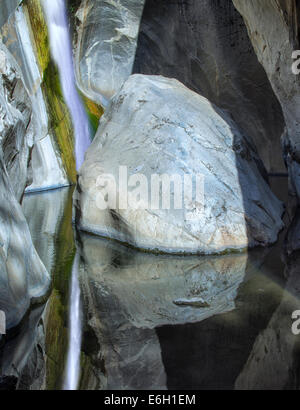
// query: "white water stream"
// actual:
[[61, 51], [72, 373]]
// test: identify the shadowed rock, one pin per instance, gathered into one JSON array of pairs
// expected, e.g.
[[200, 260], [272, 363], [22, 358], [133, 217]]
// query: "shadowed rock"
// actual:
[[273, 28], [205, 45]]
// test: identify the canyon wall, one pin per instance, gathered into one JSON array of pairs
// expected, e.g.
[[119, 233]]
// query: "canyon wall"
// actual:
[[205, 45], [36, 149], [273, 28]]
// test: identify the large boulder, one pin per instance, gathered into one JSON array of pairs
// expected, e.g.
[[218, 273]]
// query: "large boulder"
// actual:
[[106, 44], [156, 125], [273, 27], [204, 44]]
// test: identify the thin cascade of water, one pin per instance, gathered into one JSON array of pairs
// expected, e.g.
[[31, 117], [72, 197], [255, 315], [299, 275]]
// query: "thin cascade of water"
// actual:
[[72, 373], [61, 51]]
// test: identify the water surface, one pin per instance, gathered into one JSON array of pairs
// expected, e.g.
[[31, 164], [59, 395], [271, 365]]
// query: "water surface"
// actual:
[[153, 321]]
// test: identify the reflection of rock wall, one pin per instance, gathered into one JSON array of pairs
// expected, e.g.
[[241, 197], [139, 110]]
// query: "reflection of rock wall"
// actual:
[[211, 354], [49, 219], [127, 294], [23, 358], [44, 213], [275, 358]]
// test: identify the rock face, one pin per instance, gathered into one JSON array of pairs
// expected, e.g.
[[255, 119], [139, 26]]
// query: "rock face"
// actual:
[[204, 44], [156, 125], [23, 364], [105, 49], [45, 169], [23, 277], [7, 7], [16, 133], [273, 27], [127, 294]]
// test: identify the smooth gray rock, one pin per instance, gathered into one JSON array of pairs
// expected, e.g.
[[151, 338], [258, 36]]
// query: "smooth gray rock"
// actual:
[[156, 125], [16, 133], [7, 7], [23, 357], [205, 45], [23, 277], [106, 44], [273, 27]]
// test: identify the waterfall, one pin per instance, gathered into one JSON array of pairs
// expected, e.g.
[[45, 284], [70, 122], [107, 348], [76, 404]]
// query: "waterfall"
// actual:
[[72, 373], [61, 51]]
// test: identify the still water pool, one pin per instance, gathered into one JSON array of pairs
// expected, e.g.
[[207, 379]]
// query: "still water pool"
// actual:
[[153, 321]]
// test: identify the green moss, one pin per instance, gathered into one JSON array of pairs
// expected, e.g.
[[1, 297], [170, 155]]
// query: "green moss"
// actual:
[[73, 6], [58, 113], [65, 253], [60, 121], [39, 32], [94, 112], [57, 319], [55, 342]]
